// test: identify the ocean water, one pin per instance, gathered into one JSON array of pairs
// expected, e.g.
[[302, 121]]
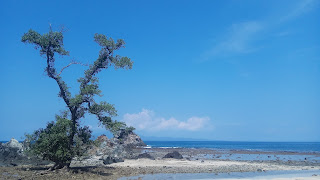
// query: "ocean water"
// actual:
[[225, 176], [236, 145]]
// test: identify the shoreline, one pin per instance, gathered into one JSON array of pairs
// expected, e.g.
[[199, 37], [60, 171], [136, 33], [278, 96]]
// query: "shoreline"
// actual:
[[196, 161], [242, 151]]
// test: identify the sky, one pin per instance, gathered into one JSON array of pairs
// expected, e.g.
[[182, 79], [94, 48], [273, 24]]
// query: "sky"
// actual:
[[213, 70]]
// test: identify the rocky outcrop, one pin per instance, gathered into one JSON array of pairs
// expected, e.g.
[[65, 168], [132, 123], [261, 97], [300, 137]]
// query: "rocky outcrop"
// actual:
[[12, 154], [174, 154], [116, 149], [113, 150], [13, 143], [130, 139]]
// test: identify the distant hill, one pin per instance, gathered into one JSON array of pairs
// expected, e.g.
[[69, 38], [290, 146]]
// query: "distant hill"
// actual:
[[153, 138]]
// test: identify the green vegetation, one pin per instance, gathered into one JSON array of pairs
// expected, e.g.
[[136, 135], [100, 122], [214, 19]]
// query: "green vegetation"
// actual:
[[62, 140]]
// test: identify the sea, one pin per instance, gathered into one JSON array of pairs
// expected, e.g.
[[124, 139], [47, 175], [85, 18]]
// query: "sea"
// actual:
[[239, 145]]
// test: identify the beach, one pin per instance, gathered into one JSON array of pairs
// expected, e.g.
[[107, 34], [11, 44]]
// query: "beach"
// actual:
[[196, 163]]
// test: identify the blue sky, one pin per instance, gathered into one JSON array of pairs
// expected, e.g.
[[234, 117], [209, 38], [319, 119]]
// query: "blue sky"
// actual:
[[216, 70]]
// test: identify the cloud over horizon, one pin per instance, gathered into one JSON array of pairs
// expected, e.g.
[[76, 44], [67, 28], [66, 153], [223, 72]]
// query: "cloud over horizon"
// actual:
[[147, 120]]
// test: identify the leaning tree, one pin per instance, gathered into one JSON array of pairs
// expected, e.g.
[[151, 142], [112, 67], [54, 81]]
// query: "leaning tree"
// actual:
[[67, 127]]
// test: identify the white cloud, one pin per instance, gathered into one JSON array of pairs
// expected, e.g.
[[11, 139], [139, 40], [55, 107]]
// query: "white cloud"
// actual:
[[238, 39], [193, 123], [244, 37], [146, 120], [299, 9]]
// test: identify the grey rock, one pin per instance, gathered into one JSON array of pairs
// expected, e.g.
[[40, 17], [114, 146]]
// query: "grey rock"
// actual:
[[146, 155], [129, 139], [174, 154], [13, 143], [107, 151], [12, 154], [110, 160]]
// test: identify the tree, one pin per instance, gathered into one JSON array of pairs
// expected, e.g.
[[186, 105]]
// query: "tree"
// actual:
[[52, 143], [51, 44]]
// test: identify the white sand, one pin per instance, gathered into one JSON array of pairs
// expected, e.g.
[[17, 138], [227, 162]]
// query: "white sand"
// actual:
[[173, 166], [206, 164]]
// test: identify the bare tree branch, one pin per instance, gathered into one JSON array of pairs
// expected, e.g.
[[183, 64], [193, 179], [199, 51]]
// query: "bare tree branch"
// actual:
[[73, 62]]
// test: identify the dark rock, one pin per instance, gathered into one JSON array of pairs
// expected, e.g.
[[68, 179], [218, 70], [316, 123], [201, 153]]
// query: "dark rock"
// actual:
[[13, 164], [110, 160], [146, 155], [174, 154]]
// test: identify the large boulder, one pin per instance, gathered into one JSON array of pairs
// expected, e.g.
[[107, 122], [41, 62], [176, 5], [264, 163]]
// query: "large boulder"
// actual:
[[108, 150], [115, 149], [110, 160], [174, 154], [146, 156], [13, 143]]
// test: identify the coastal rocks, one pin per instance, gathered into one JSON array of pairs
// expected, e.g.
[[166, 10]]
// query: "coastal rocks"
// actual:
[[174, 154], [130, 139], [110, 160], [11, 152], [89, 161], [116, 149], [145, 155], [13, 143], [107, 151]]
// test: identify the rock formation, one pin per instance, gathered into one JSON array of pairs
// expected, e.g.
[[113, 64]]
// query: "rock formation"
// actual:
[[130, 139], [107, 151], [146, 155], [12, 154], [174, 154]]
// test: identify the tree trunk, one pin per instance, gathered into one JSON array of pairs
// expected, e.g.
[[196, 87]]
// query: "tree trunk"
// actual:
[[73, 127]]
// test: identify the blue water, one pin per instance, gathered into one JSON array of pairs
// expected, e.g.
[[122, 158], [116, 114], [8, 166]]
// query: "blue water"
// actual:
[[233, 175], [235, 145]]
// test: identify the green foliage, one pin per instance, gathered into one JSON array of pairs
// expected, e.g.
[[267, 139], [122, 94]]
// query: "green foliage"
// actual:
[[51, 42], [52, 143]]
